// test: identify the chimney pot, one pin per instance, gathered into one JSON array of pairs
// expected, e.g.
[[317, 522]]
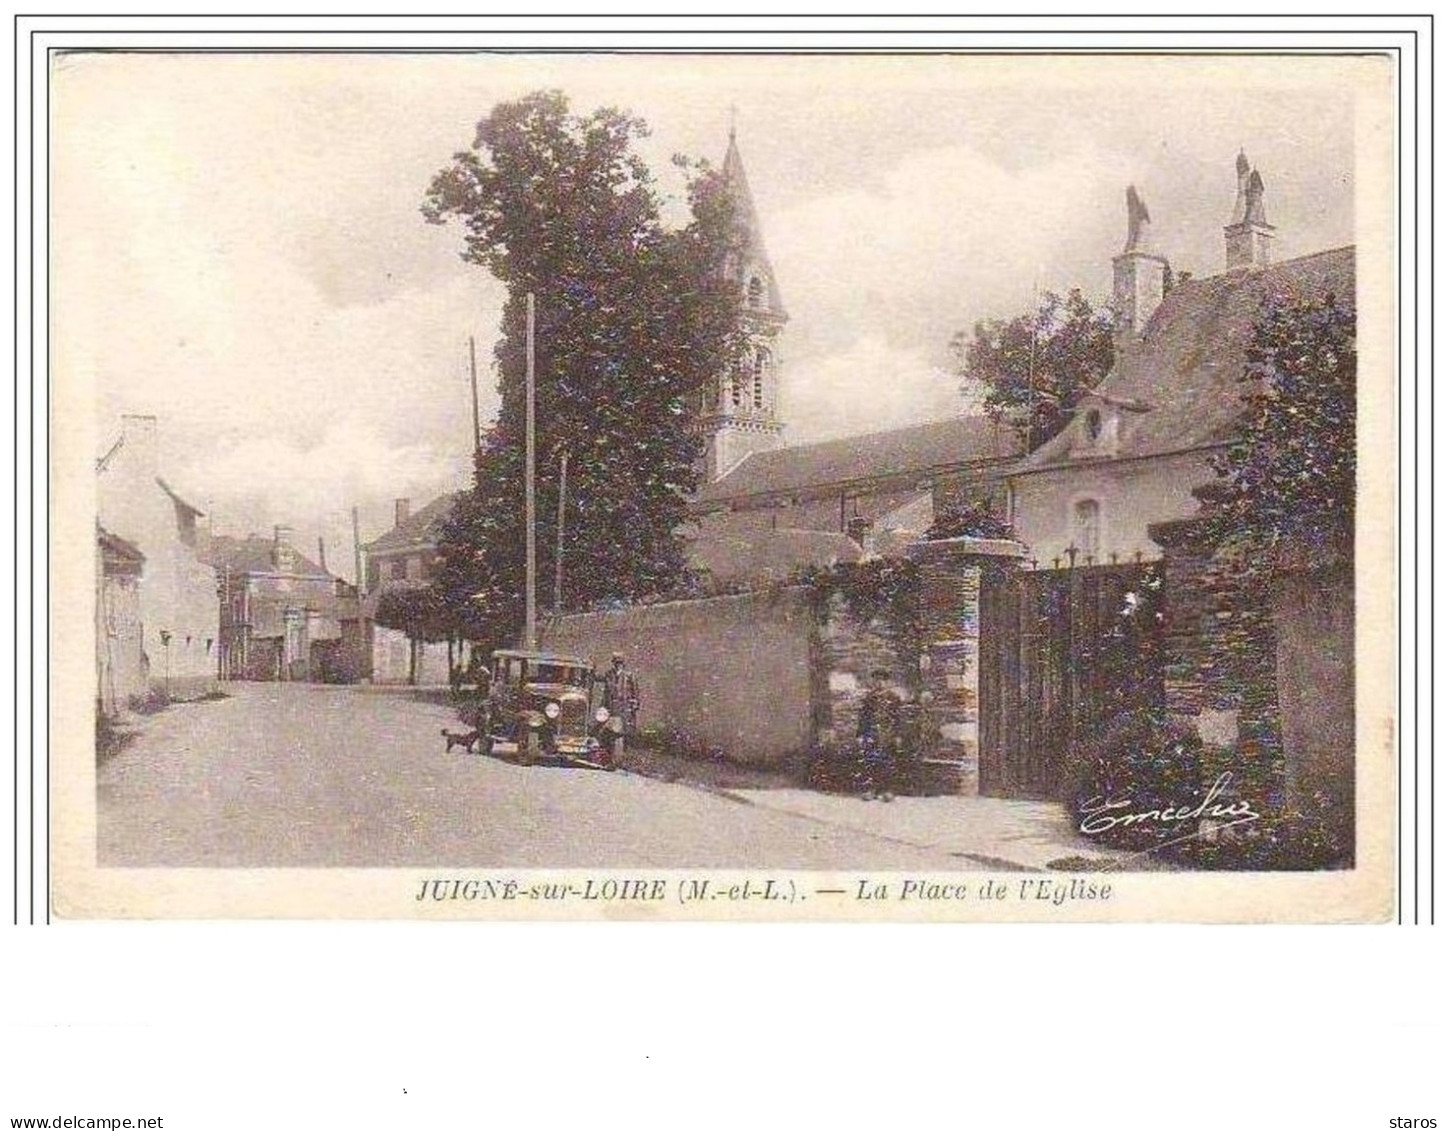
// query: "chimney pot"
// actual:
[[1249, 235], [402, 511], [282, 548], [1138, 275]]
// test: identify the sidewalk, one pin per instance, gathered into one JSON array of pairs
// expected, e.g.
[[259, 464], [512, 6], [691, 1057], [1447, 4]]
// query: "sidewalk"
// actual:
[[1014, 836], [989, 832]]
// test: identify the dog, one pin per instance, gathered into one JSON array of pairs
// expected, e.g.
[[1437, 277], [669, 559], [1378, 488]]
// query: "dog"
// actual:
[[467, 739]]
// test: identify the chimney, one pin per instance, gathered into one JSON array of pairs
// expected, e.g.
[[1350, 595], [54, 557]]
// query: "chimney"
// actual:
[[140, 440], [282, 556], [1138, 280], [322, 553], [402, 511], [1249, 236]]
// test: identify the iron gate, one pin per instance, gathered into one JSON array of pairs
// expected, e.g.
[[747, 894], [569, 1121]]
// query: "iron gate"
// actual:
[[1063, 651]]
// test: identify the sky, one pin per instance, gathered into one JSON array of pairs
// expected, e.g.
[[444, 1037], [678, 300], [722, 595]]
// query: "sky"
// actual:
[[239, 249]]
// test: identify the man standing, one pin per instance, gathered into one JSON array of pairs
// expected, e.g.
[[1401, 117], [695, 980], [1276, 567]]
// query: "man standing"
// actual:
[[621, 697], [878, 734]]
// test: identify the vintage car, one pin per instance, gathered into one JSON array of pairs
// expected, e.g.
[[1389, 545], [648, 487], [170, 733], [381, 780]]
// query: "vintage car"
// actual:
[[542, 706]]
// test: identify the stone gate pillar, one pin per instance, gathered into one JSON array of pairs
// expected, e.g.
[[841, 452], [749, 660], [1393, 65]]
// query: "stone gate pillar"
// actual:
[[951, 573]]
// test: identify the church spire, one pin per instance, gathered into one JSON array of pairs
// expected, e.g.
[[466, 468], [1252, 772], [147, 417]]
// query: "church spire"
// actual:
[[740, 413], [755, 273]]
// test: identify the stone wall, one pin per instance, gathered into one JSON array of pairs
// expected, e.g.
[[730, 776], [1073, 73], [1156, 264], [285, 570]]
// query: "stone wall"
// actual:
[[730, 677], [1221, 659], [1313, 615], [847, 652], [952, 572]]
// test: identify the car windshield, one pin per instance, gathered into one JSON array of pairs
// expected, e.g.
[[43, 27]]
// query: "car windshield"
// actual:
[[558, 673]]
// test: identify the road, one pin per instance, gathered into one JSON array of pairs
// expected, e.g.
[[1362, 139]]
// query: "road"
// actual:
[[291, 775]]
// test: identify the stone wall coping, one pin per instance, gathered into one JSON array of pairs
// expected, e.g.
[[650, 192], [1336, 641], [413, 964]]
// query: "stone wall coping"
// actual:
[[965, 546], [667, 610]]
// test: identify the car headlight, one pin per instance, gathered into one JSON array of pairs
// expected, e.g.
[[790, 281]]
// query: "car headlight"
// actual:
[[601, 715], [552, 710]]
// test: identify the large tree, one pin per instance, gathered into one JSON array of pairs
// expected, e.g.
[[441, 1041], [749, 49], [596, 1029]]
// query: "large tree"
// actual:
[[1287, 480], [1033, 369], [633, 319]]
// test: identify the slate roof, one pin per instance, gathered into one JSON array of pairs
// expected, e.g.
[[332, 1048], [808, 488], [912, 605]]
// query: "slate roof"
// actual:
[[767, 555], [424, 528], [116, 550], [918, 450], [1184, 370], [254, 555]]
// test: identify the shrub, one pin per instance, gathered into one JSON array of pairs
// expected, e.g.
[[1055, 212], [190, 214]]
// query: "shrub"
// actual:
[[1142, 766], [1290, 842]]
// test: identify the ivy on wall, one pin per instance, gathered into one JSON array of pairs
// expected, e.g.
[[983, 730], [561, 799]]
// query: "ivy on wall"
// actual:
[[884, 589]]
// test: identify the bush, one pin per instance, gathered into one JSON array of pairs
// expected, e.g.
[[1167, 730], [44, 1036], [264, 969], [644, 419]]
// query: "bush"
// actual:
[[1139, 786], [1290, 842], [1142, 766]]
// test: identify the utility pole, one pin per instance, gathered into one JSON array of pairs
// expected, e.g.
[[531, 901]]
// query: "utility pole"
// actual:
[[473, 371], [357, 550], [558, 552], [530, 534], [1031, 365]]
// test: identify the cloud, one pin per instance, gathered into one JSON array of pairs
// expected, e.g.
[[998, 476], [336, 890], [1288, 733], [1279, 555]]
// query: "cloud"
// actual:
[[869, 386], [878, 280], [239, 248]]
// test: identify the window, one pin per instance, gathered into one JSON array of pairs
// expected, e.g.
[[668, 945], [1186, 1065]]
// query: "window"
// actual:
[[762, 363], [1086, 528], [1093, 424], [756, 293], [398, 568]]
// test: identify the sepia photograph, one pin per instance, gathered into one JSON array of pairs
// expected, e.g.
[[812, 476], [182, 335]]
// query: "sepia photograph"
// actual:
[[728, 486]]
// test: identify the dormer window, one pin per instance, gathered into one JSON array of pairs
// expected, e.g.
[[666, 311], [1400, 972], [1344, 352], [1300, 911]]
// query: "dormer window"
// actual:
[[1099, 432]]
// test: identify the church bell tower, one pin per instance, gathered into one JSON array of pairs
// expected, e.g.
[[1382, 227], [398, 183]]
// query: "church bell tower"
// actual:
[[740, 413]]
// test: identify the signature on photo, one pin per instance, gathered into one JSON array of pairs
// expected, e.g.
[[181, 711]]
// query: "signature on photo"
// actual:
[[1100, 814]]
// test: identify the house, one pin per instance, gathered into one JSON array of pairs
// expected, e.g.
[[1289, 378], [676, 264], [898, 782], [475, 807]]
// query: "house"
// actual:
[[405, 557], [177, 611], [284, 617], [408, 551], [120, 661], [1143, 441]]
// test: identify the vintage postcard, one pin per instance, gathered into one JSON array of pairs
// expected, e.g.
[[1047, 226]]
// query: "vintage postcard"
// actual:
[[727, 486]]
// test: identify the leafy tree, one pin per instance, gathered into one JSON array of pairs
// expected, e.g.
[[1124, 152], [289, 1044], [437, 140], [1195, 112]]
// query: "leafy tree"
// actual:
[[633, 319], [1286, 482], [1035, 368], [418, 611]]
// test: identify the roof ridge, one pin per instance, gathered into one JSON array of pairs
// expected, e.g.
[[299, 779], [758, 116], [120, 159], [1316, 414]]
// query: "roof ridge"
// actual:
[[1238, 272]]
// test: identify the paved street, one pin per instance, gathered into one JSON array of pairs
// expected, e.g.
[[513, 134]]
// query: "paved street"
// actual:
[[290, 775]]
